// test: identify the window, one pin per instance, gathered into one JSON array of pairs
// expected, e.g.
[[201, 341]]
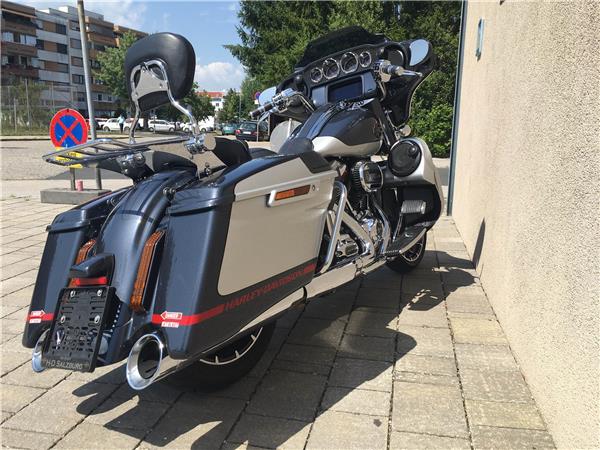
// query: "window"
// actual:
[[94, 64], [99, 97], [4, 60], [35, 63], [78, 79], [64, 68], [75, 43], [80, 97], [74, 26], [8, 36], [28, 40], [62, 48], [23, 60], [61, 29], [39, 44], [78, 62]]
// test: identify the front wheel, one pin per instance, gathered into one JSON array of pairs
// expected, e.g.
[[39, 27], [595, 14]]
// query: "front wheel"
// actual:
[[151, 130], [106, 129], [410, 259], [228, 364], [171, 130]]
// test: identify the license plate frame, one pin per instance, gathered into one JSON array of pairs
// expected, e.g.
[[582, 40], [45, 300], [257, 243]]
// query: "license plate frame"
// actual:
[[75, 335]]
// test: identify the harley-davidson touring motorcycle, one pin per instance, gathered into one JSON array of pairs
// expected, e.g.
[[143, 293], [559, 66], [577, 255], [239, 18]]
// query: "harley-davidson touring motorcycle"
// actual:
[[190, 267]]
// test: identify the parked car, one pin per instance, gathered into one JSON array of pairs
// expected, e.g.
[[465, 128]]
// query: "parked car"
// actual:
[[111, 125], [187, 127], [229, 128], [247, 131], [128, 123], [160, 125]]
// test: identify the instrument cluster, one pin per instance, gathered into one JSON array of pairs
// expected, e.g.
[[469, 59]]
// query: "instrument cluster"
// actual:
[[340, 65]]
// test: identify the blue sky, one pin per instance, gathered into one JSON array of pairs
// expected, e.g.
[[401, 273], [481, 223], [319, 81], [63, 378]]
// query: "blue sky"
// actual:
[[208, 26]]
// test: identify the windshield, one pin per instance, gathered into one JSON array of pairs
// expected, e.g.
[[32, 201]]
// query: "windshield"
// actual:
[[337, 41], [248, 126]]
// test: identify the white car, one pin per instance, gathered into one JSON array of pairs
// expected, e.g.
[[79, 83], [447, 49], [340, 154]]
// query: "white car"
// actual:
[[160, 125], [111, 125]]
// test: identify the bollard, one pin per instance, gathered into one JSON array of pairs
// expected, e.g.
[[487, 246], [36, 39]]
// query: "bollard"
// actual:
[[79, 185]]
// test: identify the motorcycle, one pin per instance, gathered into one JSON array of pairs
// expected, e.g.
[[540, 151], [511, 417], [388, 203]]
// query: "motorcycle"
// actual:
[[191, 266]]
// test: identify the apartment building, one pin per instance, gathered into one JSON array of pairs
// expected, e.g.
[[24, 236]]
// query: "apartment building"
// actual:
[[216, 98], [44, 46]]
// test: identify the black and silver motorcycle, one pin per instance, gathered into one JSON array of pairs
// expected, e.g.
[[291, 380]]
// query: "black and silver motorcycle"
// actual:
[[192, 265]]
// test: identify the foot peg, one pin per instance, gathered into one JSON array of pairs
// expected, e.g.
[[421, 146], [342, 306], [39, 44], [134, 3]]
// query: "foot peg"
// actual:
[[413, 207]]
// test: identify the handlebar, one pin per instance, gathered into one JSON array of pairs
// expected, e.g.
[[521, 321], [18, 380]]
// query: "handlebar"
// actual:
[[268, 106]]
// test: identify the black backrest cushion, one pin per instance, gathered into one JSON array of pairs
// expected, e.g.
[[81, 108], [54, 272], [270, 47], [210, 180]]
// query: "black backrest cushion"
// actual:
[[175, 52]]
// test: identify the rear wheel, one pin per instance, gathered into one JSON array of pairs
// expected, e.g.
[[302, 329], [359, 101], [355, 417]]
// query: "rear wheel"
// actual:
[[151, 129], [228, 364], [171, 129], [409, 259], [106, 129]]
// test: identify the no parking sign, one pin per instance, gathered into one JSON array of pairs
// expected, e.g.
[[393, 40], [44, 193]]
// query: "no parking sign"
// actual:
[[68, 128]]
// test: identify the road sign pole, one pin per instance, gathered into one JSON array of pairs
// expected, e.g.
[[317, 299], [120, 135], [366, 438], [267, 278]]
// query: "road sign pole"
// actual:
[[88, 84]]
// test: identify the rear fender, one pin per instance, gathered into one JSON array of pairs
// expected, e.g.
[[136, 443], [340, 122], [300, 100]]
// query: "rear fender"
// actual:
[[66, 235]]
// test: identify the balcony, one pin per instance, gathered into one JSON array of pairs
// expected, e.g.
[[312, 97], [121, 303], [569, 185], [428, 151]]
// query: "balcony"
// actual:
[[19, 27], [19, 70], [13, 48]]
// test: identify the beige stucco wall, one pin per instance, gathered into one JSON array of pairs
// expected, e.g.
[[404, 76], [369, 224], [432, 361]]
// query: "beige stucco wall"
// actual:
[[527, 186]]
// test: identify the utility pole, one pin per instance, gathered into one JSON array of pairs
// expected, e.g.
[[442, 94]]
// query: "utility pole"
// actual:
[[88, 77]]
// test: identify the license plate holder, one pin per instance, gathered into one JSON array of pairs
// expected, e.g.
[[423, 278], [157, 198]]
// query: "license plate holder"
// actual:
[[75, 335]]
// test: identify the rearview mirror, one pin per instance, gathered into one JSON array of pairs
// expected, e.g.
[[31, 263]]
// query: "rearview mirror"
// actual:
[[266, 95], [419, 51]]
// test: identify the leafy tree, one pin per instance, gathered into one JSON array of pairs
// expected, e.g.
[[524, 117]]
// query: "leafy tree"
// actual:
[[270, 52], [111, 70], [199, 103], [231, 105]]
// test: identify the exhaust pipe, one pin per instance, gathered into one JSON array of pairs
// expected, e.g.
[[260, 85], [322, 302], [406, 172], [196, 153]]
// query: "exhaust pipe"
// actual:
[[148, 362]]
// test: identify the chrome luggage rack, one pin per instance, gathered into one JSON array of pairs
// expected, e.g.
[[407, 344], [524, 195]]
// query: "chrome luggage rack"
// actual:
[[108, 148]]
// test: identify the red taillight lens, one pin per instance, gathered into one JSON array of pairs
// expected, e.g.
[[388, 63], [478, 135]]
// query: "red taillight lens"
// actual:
[[137, 297], [82, 254], [97, 281], [237, 131]]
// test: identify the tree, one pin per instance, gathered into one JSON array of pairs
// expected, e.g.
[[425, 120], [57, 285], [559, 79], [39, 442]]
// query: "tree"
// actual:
[[231, 105], [269, 53], [112, 61], [199, 103]]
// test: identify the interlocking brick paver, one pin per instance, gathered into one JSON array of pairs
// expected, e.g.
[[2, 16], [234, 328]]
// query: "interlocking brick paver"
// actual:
[[340, 430], [362, 373], [358, 401], [504, 414], [27, 439], [387, 361], [494, 386], [513, 438], [428, 408], [400, 440], [289, 395], [270, 432]]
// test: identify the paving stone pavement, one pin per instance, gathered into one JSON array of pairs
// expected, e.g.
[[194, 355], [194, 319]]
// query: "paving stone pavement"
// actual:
[[386, 362]]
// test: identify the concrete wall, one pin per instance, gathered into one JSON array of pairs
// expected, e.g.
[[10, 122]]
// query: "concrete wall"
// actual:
[[527, 192]]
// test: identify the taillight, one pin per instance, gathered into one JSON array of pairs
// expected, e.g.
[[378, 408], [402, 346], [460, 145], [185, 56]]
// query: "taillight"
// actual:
[[82, 254], [137, 297], [96, 281], [237, 131]]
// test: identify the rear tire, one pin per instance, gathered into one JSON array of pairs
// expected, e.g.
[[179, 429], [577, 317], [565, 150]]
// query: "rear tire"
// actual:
[[171, 130], [106, 129], [227, 365], [409, 259]]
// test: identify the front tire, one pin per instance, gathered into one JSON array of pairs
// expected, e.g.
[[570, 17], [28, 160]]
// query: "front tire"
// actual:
[[228, 364], [106, 129], [410, 259]]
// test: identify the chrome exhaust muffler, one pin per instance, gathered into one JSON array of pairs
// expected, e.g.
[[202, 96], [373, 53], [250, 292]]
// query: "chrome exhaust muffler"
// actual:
[[148, 362]]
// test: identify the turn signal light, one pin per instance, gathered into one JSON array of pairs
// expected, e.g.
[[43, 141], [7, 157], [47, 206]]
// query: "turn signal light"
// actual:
[[137, 297], [97, 281], [302, 190], [82, 254]]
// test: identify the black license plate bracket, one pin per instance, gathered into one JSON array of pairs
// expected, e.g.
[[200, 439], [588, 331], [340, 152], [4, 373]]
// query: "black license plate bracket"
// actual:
[[76, 332]]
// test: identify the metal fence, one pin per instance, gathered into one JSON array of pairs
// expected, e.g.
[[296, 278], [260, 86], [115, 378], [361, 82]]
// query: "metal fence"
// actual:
[[26, 107]]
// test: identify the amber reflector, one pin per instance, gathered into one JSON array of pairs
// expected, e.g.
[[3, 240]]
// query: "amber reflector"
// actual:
[[82, 254], [137, 297], [302, 190]]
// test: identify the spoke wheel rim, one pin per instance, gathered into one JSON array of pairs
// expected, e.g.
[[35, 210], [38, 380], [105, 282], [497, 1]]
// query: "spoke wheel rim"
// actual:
[[414, 253], [234, 351]]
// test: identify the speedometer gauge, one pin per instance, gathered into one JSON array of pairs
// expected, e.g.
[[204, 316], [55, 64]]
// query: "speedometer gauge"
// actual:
[[364, 59], [331, 68], [316, 75], [349, 62]]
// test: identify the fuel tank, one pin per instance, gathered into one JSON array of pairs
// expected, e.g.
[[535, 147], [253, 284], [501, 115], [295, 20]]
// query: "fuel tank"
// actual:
[[341, 132]]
